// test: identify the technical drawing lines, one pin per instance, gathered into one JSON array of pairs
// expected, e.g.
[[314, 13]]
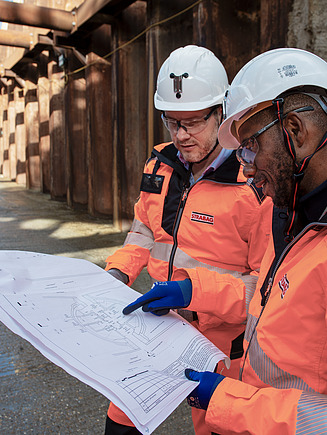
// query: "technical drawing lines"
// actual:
[[100, 315], [150, 388]]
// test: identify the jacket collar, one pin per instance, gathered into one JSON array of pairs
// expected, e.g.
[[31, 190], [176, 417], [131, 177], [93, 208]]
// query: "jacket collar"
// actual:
[[313, 205]]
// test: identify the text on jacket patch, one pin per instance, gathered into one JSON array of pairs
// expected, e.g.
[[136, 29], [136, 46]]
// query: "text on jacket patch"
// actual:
[[201, 217], [284, 285]]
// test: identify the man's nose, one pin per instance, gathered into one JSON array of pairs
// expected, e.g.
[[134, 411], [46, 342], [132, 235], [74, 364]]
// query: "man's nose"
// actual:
[[182, 132], [249, 170]]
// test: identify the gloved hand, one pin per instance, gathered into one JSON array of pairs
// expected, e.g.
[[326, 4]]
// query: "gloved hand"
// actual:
[[118, 274], [201, 395], [162, 297]]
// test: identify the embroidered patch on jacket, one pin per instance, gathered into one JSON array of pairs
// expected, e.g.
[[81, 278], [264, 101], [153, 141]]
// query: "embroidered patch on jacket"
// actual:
[[152, 183], [201, 217], [284, 285]]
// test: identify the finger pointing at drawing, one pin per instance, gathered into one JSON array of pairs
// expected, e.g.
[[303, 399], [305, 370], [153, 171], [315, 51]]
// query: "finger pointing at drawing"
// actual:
[[162, 297]]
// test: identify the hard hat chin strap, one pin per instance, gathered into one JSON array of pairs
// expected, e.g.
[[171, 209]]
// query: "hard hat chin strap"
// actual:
[[208, 155], [213, 149], [300, 167]]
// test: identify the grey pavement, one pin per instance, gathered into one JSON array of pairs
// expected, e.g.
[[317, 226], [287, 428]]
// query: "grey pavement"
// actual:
[[37, 397]]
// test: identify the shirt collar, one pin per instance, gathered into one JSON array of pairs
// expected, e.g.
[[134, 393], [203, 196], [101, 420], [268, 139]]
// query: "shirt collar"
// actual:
[[219, 160]]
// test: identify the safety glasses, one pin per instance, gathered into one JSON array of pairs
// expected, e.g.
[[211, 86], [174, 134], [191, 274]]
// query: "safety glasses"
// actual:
[[191, 126], [248, 149]]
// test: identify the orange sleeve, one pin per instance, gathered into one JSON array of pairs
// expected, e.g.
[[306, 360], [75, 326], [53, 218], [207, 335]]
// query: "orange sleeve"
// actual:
[[236, 407], [221, 295], [259, 233], [135, 253], [118, 416]]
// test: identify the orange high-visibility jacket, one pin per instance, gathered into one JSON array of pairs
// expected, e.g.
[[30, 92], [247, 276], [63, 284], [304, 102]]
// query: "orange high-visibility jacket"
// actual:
[[220, 223], [284, 388]]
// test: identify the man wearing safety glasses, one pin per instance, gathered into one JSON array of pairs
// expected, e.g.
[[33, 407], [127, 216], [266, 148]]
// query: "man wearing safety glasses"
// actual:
[[277, 121], [196, 209]]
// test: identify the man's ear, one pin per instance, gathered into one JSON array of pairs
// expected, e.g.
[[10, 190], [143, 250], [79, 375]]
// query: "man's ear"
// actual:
[[303, 134], [297, 129]]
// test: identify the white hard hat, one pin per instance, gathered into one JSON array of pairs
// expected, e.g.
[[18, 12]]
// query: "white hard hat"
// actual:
[[263, 79], [192, 78]]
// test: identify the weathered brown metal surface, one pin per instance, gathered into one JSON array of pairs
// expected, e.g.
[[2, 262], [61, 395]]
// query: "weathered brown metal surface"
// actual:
[[58, 181], [5, 129], [97, 126], [43, 87], [161, 40], [274, 18], [89, 8], [11, 124], [33, 164], [36, 16], [3, 106], [230, 29], [237, 31], [2, 109], [58, 19], [12, 74], [20, 137], [132, 106], [100, 150], [16, 39], [76, 135]]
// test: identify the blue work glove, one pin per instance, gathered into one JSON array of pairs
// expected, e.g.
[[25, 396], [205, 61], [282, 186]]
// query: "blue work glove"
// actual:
[[201, 395], [162, 297]]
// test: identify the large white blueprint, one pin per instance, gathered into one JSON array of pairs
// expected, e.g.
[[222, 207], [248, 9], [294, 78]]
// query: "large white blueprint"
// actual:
[[71, 311]]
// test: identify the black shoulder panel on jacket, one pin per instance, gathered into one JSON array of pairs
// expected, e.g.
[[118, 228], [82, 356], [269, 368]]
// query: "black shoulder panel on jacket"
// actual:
[[168, 156]]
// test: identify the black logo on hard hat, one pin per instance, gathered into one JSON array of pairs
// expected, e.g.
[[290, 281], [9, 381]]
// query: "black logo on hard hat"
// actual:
[[178, 83]]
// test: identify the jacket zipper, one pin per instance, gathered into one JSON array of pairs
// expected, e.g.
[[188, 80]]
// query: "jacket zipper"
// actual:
[[179, 214], [184, 196]]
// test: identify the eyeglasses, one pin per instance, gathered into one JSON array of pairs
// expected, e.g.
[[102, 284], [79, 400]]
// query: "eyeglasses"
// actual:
[[248, 149], [191, 126]]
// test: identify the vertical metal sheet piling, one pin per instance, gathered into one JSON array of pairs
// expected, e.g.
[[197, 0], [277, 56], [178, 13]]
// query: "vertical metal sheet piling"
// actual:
[[2, 108], [76, 133], [100, 151], [44, 134], [5, 129], [131, 107], [58, 183], [20, 136], [11, 123]]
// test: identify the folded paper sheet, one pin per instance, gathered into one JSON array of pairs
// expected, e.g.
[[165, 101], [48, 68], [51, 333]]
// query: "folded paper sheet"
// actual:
[[71, 311]]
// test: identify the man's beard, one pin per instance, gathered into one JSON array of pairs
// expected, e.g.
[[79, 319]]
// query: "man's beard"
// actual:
[[284, 189]]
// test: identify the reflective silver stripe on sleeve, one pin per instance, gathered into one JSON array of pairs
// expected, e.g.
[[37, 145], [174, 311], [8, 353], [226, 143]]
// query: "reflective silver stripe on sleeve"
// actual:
[[267, 371], [161, 251], [139, 235], [250, 282], [311, 414]]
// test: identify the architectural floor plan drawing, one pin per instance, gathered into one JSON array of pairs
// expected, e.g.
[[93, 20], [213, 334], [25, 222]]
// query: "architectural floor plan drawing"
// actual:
[[71, 311]]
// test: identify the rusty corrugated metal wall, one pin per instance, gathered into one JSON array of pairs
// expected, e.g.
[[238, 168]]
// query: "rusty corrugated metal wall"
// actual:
[[81, 130]]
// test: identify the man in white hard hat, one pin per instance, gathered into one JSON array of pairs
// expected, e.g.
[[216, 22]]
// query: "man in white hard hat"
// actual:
[[277, 121], [196, 209]]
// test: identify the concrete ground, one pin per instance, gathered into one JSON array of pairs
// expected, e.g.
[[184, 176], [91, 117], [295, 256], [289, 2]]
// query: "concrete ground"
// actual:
[[37, 397]]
